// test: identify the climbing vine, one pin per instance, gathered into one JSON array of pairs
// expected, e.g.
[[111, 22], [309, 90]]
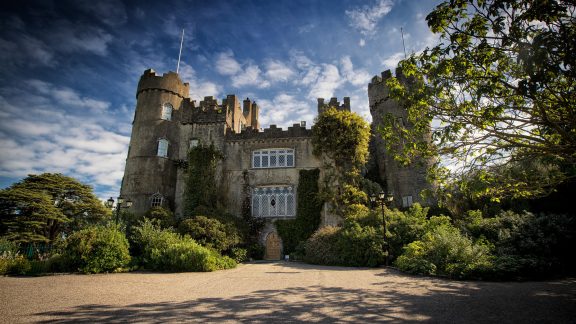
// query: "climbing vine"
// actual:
[[341, 138], [308, 213], [201, 189]]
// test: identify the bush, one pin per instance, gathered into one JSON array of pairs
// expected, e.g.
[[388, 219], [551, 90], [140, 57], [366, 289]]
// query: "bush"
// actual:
[[239, 254], [163, 215], [526, 245], [321, 247], [445, 251], [165, 250], [360, 246], [211, 232], [97, 249], [14, 264], [357, 243]]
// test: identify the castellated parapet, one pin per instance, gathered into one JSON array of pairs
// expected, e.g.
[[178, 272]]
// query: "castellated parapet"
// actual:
[[333, 103], [169, 82]]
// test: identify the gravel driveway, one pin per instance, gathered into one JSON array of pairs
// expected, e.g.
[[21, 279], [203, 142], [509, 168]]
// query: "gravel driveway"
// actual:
[[281, 292]]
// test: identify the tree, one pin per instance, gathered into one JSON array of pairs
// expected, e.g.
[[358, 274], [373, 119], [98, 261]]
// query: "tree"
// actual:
[[41, 207], [342, 137], [499, 91]]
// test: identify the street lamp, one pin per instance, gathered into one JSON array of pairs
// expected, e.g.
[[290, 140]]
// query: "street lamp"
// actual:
[[122, 203], [384, 200]]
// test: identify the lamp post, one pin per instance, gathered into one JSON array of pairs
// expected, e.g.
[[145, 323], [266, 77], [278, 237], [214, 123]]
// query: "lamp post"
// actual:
[[384, 200], [122, 203]]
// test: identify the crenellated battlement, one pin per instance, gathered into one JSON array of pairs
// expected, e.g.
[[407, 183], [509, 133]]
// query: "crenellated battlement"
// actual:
[[167, 82], [322, 105], [273, 132]]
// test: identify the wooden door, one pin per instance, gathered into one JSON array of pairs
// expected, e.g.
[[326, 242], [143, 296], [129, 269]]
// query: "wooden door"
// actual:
[[273, 247]]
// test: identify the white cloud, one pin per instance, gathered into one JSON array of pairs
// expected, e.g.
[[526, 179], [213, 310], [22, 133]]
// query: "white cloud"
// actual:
[[199, 88], [111, 12], [71, 38], [285, 110], [54, 136], [226, 64], [359, 77], [391, 62], [250, 77], [326, 83], [366, 18], [278, 71]]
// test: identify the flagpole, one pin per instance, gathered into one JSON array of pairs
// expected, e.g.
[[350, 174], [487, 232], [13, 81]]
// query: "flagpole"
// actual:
[[180, 54]]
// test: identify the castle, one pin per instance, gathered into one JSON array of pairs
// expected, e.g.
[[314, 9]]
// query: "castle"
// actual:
[[167, 123]]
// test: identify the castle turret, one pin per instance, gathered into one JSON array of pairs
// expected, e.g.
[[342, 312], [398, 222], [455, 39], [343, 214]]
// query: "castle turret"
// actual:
[[150, 171], [334, 103], [406, 182]]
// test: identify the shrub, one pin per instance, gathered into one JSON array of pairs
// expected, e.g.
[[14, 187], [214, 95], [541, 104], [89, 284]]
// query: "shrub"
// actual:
[[526, 245], [360, 245], [14, 264], [164, 216], [97, 249], [321, 247], [165, 250], [239, 254], [210, 232], [445, 251]]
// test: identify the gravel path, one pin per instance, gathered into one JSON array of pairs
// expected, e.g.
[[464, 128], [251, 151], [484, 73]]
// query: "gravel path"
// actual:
[[281, 292]]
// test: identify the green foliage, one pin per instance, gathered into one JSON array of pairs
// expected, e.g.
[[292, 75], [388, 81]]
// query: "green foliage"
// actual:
[[445, 251], [321, 247], [500, 87], [359, 242], [165, 250], [524, 244], [239, 254], [405, 227], [307, 219], [342, 137], [211, 232], [97, 249], [14, 264], [201, 189], [164, 216], [42, 207]]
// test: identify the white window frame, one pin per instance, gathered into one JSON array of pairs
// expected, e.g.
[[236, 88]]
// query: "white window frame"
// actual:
[[407, 201], [273, 158], [194, 142], [284, 199], [156, 200], [163, 145], [167, 110]]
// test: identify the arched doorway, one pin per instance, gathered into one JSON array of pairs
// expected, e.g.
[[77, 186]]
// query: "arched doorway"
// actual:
[[273, 247]]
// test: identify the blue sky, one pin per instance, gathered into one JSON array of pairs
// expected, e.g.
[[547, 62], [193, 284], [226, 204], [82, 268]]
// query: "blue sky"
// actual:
[[70, 68]]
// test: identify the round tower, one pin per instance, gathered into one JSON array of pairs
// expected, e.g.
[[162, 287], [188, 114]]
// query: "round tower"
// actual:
[[405, 182], [150, 173]]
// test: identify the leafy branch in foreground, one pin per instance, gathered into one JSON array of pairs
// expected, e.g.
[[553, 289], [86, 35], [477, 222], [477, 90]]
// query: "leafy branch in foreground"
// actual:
[[500, 93]]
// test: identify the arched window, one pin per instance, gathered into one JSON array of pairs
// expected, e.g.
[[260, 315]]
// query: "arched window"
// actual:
[[273, 158], [163, 147], [166, 111], [156, 200]]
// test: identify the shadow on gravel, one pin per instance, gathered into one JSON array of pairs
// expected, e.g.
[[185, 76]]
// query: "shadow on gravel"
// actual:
[[445, 301]]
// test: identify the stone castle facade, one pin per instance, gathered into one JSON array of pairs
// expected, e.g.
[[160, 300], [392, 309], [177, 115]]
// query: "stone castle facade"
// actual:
[[167, 123]]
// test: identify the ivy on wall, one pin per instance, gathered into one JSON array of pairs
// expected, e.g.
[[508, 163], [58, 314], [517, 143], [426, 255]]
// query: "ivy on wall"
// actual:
[[294, 231], [201, 194]]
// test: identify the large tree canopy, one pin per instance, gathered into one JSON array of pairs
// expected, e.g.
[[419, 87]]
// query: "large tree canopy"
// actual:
[[499, 92], [41, 207]]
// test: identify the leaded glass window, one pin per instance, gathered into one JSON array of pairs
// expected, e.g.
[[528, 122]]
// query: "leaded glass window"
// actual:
[[273, 201]]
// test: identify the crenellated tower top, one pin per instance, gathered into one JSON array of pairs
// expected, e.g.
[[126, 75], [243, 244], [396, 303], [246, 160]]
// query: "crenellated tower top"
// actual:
[[169, 82], [322, 105]]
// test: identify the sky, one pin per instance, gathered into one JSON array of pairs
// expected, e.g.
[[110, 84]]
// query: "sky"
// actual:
[[69, 68]]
